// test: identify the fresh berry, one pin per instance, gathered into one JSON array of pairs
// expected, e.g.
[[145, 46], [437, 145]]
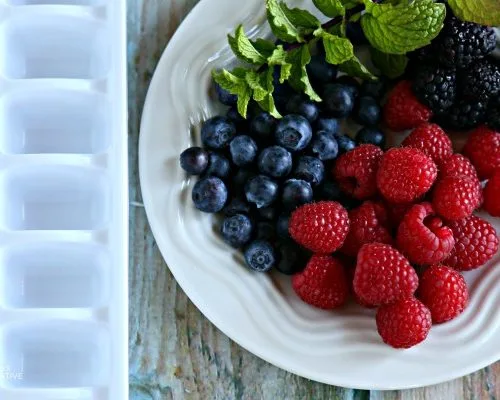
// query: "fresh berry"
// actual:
[[265, 230], [260, 256], [217, 132], [373, 89], [431, 140], [405, 174], [456, 197], [293, 132], [444, 291], [383, 275], [235, 117], [320, 227], [366, 111], [493, 114], [476, 242], [483, 149], [423, 237], [323, 283], [338, 100], [275, 161], [327, 124], [455, 165], [293, 258], [243, 150], [351, 84], [355, 171], [345, 143], [370, 135], [282, 226], [295, 193], [481, 80], [240, 179], [194, 160], [209, 194], [225, 97], [397, 212], [262, 126], [368, 224], [463, 115], [261, 191], [237, 205], [218, 166], [305, 107], [237, 230], [404, 324], [320, 72], [492, 195], [267, 213], [325, 146], [436, 87], [403, 110], [310, 169]]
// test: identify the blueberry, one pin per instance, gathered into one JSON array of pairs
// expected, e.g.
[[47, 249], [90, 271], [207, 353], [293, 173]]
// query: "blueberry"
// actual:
[[295, 193], [345, 143], [243, 150], [275, 161], [241, 177], [293, 132], [292, 258], [373, 89], [355, 33], [369, 135], [267, 213], [261, 190], [265, 230], [366, 111], [330, 190], [260, 256], [307, 108], [194, 160], [310, 169], [328, 124], [351, 83], [236, 118], [224, 96], [320, 71], [282, 226], [339, 101], [325, 146], [209, 194], [237, 205], [262, 126], [236, 230], [217, 132], [218, 165]]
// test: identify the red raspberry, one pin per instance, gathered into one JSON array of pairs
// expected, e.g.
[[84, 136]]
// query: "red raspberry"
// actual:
[[323, 283], [405, 174], [403, 110], [368, 224], [476, 242], [483, 149], [456, 197], [492, 195], [431, 140], [455, 165], [397, 212], [423, 238], [320, 227], [355, 171], [404, 324], [444, 291], [383, 275]]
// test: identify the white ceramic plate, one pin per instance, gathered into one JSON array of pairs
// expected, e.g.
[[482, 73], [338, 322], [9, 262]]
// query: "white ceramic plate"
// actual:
[[261, 312]]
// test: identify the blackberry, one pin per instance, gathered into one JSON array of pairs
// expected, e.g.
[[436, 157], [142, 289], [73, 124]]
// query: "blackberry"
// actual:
[[435, 87], [461, 43], [463, 115], [481, 80], [493, 115]]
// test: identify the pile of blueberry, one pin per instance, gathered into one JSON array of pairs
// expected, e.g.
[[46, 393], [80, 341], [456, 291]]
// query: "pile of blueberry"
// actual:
[[256, 171]]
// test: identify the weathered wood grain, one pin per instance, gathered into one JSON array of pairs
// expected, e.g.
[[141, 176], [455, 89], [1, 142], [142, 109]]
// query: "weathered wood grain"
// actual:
[[175, 353]]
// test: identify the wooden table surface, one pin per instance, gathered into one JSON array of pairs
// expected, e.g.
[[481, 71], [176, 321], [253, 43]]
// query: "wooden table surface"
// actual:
[[175, 352]]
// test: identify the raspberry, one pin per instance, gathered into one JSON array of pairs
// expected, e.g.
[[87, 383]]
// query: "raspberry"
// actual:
[[397, 212], [323, 283], [423, 238], [431, 140], [405, 174], [476, 242], [481, 80], [355, 171], [402, 109], [404, 324], [444, 291], [483, 149], [435, 86], [492, 195], [456, 197], [383, 275], [320, 227], [456, 165], [368, 224], [464, 114]]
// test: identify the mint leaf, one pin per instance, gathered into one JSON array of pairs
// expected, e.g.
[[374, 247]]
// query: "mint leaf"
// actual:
[[398, 29], [299, 80], [484, 12], [243, 99], [244, 49], [265, 47], [255, 83], [391, 65], [290, 25], [337, 49], [354, 67], [279, 57], [235, 83], [331, 8]]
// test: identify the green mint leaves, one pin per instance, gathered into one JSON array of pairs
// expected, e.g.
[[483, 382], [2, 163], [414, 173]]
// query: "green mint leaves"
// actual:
[[299, 80], [235, 82], [391, 65], [398, 29], [250, 52], [485, 12], [331, 8], [338, 49]]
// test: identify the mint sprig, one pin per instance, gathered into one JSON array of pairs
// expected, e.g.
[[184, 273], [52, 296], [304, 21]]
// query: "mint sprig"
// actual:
[[485, 12]]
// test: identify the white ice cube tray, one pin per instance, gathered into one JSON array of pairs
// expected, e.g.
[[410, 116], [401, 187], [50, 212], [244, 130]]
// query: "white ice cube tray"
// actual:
[[63, 200]]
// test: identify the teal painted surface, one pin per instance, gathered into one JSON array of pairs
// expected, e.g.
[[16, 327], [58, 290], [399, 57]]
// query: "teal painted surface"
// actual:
[[175, 352]]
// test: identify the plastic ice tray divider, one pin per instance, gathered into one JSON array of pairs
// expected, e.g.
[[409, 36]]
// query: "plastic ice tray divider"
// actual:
[[63, 200]]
